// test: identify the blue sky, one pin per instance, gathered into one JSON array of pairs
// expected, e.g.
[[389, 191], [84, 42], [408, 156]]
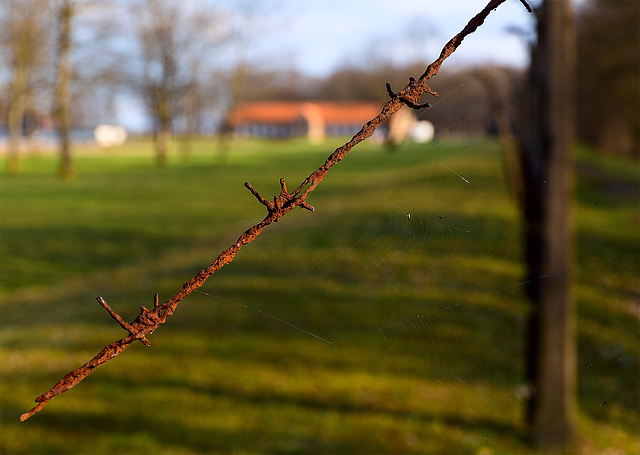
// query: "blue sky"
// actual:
[[319, 35]]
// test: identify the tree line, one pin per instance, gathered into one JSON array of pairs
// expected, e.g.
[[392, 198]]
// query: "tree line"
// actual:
[[189, 66], [72, 59]]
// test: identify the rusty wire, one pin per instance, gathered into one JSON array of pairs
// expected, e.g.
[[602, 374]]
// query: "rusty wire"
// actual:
[[149, 320]]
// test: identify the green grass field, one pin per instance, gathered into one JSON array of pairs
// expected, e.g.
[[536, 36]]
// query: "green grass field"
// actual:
[[391, 320]]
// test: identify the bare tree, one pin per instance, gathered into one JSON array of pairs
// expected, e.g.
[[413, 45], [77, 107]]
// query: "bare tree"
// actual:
[[44, 57], [160, 84], [175, 47], [23, 28], [246, 26], [96, 56]]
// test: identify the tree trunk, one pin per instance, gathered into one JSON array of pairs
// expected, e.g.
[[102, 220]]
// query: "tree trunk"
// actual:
[[15, 114], [237, 84], [548, 173], [24, 28], [163, 113], [163, 140], [62, 88]]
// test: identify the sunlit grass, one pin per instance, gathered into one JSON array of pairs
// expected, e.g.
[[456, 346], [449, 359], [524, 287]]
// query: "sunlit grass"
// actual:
[[391, 320]]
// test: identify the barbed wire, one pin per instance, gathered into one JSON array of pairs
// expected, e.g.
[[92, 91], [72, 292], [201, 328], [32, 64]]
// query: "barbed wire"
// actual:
[[149, 320]]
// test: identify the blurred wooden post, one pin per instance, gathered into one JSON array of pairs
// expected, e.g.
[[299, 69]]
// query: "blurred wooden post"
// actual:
[[548, 172]]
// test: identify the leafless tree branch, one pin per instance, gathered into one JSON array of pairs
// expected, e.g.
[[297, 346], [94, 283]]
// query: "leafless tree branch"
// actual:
[[149, 320]]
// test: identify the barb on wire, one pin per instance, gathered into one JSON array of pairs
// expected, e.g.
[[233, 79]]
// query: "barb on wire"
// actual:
[[149, 320], [407, 101]]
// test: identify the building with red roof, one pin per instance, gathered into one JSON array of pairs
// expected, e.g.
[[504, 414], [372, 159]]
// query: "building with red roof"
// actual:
[[313, 119]]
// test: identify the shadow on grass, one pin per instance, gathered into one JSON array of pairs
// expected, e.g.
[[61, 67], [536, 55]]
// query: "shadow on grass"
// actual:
[[167, 416]]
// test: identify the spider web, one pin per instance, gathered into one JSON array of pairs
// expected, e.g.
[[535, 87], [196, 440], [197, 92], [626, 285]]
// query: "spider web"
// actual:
[[400, 276]]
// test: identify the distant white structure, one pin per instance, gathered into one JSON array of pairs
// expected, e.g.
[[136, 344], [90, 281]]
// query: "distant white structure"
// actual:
[[109, 136], [423, 132]]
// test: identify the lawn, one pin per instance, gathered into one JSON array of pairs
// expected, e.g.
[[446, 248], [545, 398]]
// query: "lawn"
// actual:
[[390, 320]]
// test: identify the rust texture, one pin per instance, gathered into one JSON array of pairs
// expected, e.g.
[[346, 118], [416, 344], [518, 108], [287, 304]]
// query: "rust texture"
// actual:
[[149, 320]]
